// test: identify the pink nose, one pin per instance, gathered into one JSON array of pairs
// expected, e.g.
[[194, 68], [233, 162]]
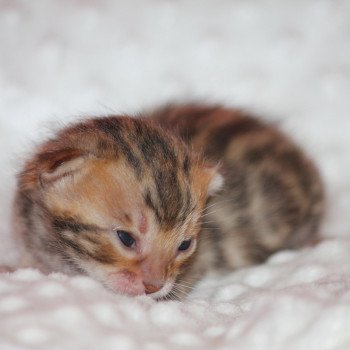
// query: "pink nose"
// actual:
[[151, 288]]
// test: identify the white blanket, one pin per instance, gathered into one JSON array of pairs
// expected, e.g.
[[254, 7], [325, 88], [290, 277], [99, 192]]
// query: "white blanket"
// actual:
[[297, 300], [289, 60]]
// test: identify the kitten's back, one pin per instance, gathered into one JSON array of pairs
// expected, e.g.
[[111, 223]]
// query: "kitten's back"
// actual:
[[272, 197]]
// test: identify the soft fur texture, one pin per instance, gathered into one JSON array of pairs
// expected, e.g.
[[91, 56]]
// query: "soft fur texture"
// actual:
[[102, 177], [116, 175]]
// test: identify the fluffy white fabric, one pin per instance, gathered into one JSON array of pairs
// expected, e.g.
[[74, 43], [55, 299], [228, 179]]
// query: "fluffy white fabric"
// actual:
[[288, 60]]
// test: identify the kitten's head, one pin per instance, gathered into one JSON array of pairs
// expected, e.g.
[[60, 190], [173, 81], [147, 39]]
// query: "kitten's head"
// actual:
[[120, 200]]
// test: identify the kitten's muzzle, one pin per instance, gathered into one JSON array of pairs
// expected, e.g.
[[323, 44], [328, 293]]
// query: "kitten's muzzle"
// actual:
[[152, 288]]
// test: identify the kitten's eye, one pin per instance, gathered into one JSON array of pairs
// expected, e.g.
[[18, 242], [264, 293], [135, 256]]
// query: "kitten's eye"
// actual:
[[185, 245], [126, 238]]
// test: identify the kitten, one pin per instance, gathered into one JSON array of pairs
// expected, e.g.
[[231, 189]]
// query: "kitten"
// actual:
[[136, 203]]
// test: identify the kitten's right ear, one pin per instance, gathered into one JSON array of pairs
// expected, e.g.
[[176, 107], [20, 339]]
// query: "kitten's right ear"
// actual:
[[61, 170], [49, 166]]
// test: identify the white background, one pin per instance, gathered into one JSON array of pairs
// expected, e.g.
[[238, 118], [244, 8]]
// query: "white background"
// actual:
[[288, 61]]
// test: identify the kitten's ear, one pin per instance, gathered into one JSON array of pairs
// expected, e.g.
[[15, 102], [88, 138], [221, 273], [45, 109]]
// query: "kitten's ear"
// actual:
[[216, 183], [50, 165], [216, 180], [206, 179], [61, 170]]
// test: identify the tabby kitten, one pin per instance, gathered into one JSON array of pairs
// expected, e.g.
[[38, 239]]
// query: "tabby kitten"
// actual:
[[136, 203]]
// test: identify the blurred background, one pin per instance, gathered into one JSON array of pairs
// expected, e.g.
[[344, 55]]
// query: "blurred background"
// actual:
[[288, 61]]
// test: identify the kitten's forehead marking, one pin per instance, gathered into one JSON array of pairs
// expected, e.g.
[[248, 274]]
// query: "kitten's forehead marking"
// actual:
[[143, 223]]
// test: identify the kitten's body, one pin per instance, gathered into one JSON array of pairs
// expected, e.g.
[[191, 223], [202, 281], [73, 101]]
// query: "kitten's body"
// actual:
[[110, 174], [272, 197]]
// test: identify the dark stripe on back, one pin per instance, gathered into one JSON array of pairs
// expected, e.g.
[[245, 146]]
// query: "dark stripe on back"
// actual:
[[291, 160], [285, 208], [216, 237], [257, 252], [221, 136], [236, 186], [259, 153], [189, 120]]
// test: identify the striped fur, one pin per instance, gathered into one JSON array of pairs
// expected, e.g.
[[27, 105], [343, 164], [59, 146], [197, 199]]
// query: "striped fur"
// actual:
[[272, 197], [151, 177], [108, 174]]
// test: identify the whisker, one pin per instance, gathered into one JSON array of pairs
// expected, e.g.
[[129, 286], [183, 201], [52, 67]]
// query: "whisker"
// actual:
[[173, 295], [185, 289], [209, 213], [184, 286], [214, 204]]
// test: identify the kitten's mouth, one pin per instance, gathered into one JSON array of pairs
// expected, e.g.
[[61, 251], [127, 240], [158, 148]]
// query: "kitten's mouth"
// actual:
[[135, 287], [162, 293]]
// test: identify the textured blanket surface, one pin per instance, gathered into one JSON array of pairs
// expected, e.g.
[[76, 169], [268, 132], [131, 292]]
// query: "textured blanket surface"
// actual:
[[297, 300], [289, 61]]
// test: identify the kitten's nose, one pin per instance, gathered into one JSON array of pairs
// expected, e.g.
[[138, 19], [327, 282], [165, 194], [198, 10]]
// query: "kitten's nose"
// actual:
[[151, 288]]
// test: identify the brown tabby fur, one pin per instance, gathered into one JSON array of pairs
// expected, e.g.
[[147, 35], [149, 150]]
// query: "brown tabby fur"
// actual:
[[138, 175]]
